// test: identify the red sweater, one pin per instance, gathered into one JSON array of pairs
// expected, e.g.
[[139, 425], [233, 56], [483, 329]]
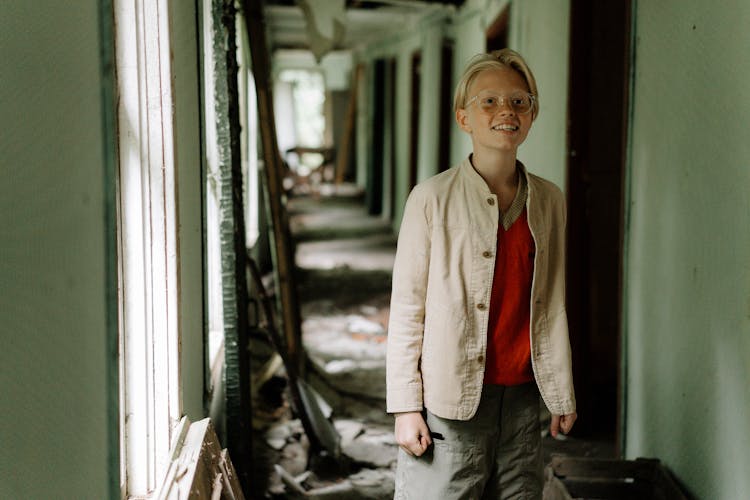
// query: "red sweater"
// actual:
[[508, 343]]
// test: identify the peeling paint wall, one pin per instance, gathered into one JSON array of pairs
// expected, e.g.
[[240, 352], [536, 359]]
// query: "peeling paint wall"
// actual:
[[688, 267], [53, 254]]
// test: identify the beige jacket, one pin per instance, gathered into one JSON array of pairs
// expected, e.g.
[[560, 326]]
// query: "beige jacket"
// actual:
[[442, 281]]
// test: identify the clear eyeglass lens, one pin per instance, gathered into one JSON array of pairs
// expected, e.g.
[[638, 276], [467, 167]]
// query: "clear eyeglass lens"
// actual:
[[491, 103]]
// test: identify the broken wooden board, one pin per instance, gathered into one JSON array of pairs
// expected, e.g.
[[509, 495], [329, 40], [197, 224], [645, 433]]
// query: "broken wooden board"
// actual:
[[199, 468]]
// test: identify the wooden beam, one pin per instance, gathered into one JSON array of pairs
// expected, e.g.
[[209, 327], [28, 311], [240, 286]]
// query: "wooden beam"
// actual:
[[320, 432], [284, 258], [342, 158]]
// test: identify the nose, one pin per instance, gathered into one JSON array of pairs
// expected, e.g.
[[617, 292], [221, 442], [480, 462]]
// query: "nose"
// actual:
[[504, 106]]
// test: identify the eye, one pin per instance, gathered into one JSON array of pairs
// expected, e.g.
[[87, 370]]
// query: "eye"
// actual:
[[519, 100], [488, 101]]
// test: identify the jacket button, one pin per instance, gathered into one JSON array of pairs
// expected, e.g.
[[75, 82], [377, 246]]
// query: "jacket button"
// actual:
[[481, 307], [486, 254], [490, 201], [480, 358]]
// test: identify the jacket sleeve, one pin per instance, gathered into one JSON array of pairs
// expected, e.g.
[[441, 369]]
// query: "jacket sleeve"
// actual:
[[406, 322]]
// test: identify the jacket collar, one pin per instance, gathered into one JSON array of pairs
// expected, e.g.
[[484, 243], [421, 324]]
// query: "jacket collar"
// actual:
[[475, 180], [472, 176]]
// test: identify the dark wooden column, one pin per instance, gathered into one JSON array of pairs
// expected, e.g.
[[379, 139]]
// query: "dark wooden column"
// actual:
[[597, 118]]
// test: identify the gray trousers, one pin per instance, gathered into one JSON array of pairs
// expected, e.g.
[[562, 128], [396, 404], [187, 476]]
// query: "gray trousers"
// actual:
[[495, 455]]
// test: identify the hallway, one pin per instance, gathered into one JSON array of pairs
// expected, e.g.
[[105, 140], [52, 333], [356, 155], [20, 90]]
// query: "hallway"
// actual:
[[141, 159]]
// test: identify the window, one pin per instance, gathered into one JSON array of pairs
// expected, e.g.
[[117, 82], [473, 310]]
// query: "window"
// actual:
[[304, 92], [147, 233], [155, 233]]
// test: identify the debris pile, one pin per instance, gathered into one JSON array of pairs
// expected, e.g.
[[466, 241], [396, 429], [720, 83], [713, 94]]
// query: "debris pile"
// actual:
[[369, 451]]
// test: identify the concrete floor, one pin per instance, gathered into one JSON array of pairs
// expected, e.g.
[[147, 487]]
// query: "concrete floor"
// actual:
[[345, 259]]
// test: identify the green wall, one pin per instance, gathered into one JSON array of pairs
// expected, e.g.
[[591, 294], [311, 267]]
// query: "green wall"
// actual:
[[469, 26], [430, 105], [54, 256], [688, 266], [539, 30]]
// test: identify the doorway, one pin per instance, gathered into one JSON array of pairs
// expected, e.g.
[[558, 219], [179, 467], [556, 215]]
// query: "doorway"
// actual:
[[497, 33], [379, 196], [446, 103], [597, 121], [374, 193]]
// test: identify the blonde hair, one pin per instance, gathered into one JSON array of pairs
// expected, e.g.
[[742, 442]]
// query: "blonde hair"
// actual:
[[497, 59]]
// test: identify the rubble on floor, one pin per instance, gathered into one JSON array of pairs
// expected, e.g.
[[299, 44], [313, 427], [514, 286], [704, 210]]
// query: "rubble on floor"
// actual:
[[370, 454]]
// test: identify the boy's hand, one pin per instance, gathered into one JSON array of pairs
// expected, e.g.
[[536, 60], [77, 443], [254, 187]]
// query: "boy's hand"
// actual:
[[412, 433], [562, 423]]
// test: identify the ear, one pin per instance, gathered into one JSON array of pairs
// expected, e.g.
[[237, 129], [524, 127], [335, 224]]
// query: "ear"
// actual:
[[462, 118]]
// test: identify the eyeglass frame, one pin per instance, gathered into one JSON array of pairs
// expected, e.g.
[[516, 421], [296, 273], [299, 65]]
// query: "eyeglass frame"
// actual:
[[503, 98]]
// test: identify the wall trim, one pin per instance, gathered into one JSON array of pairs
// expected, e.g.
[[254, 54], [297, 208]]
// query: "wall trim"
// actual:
[[626, 240], [109, 163]]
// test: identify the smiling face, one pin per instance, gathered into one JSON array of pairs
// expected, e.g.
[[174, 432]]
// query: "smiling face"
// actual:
[[505, 129]]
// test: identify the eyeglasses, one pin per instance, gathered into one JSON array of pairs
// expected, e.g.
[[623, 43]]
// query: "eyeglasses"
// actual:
[[489, 103]]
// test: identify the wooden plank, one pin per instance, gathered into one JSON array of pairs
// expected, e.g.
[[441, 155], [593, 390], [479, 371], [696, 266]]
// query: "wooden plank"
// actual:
[[199, 468], [609, 490], [614, 479], [643, 469], [284, 259], [232, 485]]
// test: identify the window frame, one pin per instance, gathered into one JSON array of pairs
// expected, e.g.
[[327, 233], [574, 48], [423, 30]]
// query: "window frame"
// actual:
[[150, 395]]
